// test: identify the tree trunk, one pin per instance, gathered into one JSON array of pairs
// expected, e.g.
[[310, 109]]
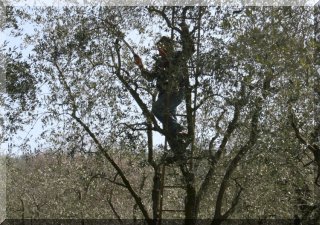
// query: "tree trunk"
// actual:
[[179, 149], [191, 212]]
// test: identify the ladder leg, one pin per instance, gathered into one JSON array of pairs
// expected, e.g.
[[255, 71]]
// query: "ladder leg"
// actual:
[[161, 193]]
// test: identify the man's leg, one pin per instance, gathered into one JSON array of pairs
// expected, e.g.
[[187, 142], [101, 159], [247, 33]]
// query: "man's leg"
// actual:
[[175, 100], [165, 110]]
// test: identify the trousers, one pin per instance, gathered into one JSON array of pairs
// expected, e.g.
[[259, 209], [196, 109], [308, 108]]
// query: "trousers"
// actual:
[[165, 109]]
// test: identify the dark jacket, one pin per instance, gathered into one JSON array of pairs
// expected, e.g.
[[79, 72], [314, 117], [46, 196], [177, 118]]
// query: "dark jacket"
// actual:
[[171, 72]]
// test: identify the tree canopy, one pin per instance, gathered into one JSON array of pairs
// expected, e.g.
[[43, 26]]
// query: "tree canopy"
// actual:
[[249, 110]]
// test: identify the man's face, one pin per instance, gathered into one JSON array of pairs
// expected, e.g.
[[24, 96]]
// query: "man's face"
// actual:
[[162, 48]]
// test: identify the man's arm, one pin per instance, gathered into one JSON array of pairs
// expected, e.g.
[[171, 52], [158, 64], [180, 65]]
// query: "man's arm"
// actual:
[[144, 72], [187, 41]]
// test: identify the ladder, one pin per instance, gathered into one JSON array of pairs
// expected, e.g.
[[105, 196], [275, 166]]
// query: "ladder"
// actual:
[[172, 187], [172, 192]]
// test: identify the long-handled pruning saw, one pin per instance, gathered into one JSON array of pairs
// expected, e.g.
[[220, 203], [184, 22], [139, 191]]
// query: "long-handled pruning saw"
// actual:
[[129, 47]]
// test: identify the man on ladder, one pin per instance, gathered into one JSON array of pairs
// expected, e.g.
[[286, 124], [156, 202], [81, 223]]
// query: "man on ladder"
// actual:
[[171, 73]]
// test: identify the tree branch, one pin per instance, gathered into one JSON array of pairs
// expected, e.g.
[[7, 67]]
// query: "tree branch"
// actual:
[[109, 200], [230, 129], [234, 203], [115, 165], [203, 100], [233, 164], [134, 94], [103, 176], [302, 140], [217, 134], [254, 131], [101, 148], [315, 149], [164, 16]]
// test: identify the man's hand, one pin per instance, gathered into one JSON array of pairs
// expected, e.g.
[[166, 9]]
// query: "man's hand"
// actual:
[[162, 51], [138, 61]]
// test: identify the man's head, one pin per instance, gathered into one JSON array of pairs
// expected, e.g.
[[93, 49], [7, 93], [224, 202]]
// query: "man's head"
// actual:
[[165, 45]]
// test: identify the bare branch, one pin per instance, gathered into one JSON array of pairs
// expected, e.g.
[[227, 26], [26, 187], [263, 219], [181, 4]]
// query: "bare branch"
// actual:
[[315, 149], [164, 16], [100, 147], [301, 139], [66, 86], [234, 203], [109, 200], [104, 176], [230, 129], [233, 164], [115, 165], [217, 127], [134, 94], [202, 101]]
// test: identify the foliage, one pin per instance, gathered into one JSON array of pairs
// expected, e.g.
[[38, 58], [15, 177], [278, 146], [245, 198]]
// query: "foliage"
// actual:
[[252, 73]]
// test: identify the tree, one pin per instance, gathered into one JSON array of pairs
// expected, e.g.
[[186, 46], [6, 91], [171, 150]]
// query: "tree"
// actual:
[[250, 65]]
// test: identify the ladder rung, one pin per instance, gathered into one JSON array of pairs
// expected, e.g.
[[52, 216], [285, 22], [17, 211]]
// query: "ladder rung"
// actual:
[[181, 115], [187, 18], [173, 210], [175, 186]]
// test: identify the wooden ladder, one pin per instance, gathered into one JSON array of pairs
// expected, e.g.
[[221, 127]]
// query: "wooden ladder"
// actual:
[[173, 192], [171, 175]]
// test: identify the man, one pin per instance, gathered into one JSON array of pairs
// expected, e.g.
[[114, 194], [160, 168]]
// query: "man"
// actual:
[[171, 73]]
